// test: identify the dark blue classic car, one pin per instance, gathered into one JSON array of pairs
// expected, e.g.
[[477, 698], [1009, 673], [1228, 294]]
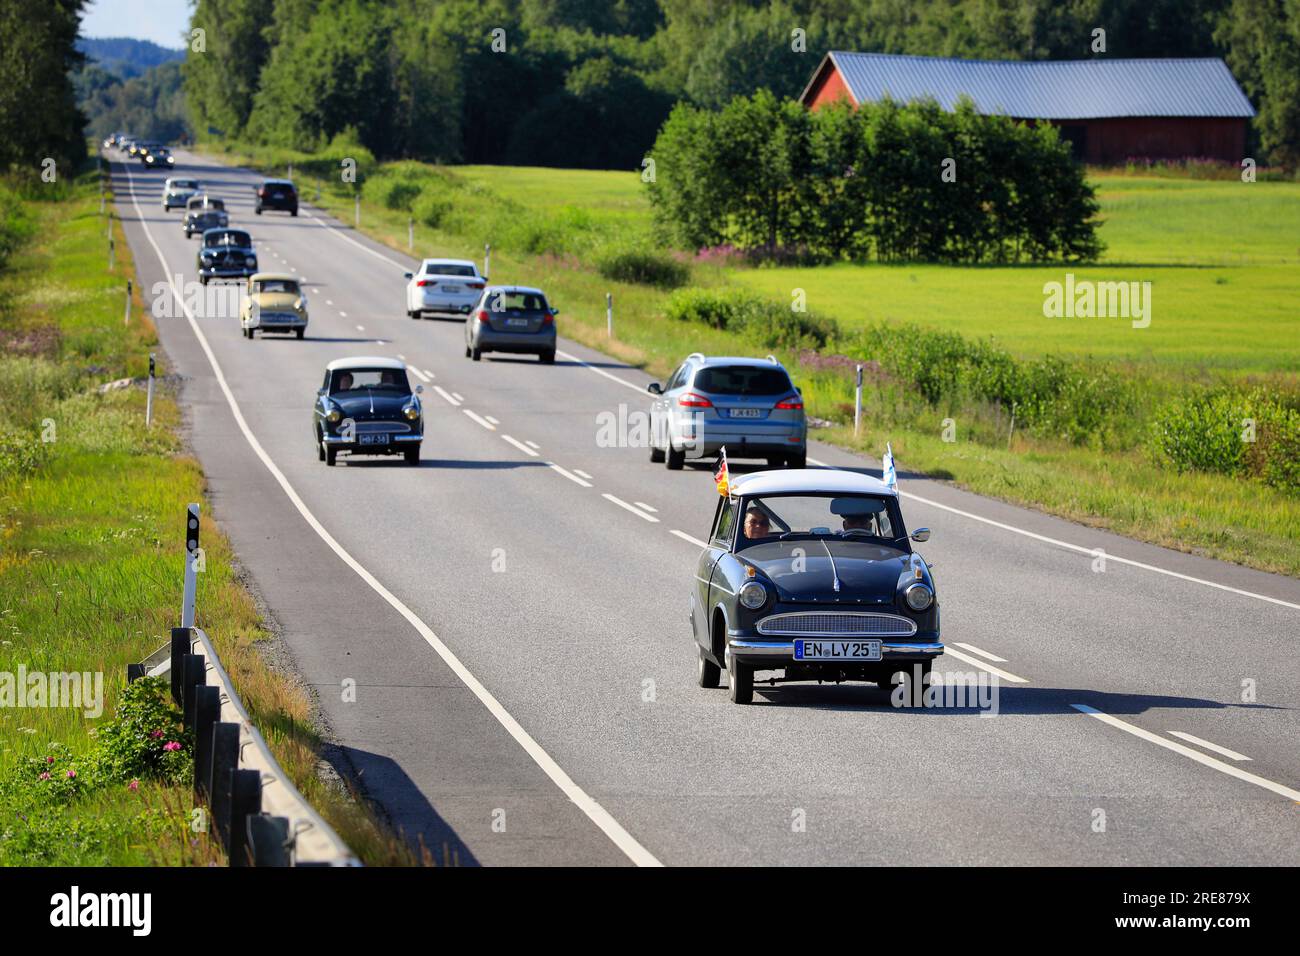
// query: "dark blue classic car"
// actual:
[[366, 407], [226, 254], [811, 574]]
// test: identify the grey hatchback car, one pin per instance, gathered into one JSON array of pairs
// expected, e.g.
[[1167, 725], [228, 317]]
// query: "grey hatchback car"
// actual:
[[510, 318], [748, 405]]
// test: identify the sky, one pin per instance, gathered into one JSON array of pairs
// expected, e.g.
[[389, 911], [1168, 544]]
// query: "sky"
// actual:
[[162, 21]]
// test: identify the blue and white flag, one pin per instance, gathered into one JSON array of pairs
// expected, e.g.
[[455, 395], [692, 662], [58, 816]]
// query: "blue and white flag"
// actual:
[[887, 474]]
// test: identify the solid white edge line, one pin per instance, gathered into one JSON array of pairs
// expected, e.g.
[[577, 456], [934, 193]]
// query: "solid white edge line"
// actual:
[[480, 419], [567, 474], [985, 654], [443, 392], [594, 811], [1088, 551], [1221, 751], [418, 374], [687, 538], [1188, 752], [520, 445], [623, 504], [600, 371], [1005, 675]]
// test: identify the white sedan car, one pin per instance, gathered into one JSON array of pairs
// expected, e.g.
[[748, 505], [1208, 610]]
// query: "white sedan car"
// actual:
[[444, 287]]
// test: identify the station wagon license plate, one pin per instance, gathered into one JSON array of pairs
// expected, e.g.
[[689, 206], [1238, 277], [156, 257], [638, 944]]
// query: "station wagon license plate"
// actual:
[[516, 323], [805, 650], [379, 438], [746, 412]]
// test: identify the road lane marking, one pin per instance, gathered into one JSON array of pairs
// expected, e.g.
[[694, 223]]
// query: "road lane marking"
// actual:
[[600, 371], [598, 815], [520, 445], [1222, 751], [342, 314], [361, 328], [579, 471], [533, 445], [315, 291], [1005, 675], [1188, 752], [443, 392], [429, 373], [632, 508], [418, 374], [1091, 552], [478, 418], [496, 422], [401, 356], [686, 537], [329, 301], [572, 477], [645, 507], [985, 654], [459, 396]]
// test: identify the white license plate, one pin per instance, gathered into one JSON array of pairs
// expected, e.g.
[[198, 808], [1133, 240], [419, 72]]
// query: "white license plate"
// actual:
[[379, 438], [517, 323], [806, 650], [746, 412], [449, 288]]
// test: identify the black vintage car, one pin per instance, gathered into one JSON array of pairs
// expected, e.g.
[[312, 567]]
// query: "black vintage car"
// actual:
[[226, 254], [203, 213], [811, 574], [366, 407]]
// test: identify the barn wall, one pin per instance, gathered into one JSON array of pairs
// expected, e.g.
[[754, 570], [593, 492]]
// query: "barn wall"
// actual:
[[827, 88], [1110, 141]]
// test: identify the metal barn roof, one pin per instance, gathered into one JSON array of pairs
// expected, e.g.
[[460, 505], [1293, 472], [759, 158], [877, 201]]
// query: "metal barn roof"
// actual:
[[1049, 89]]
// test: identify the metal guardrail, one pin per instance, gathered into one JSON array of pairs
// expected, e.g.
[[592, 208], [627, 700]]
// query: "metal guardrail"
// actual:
[[255, 810]]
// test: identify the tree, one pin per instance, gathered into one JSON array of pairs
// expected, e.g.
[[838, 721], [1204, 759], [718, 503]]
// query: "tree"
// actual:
[[1263, 40], [39, 118], [222, 78]]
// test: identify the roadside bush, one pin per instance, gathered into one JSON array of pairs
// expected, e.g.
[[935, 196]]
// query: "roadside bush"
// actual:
[[642, 266], [391, 192], [1212, 431], [145, 739], [763, 323]]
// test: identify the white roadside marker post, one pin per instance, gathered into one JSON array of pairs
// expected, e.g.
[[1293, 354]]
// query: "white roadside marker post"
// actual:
[[487, 259], [191, 564], [110, 253], [126, 319], [857, 405], [357, 213], [609, 314], [148, 401], [1012, 430]]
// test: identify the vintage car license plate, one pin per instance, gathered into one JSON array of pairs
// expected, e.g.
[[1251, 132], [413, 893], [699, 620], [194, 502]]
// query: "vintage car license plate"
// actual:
[[746, 412], [806, 650], [379, 438], [516, 323]]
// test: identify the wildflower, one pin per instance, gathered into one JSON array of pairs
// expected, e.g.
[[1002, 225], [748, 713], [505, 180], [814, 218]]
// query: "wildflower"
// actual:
[[44, 775], [72, 775], [133, 786], [171, 745], [49, 760], [155, 734]]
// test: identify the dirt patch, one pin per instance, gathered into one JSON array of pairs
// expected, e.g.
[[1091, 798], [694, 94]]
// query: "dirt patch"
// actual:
[[36, 341]]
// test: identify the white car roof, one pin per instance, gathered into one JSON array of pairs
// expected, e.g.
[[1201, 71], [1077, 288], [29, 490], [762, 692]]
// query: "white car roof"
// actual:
[[452, 262], [364, 361], [809, 481]]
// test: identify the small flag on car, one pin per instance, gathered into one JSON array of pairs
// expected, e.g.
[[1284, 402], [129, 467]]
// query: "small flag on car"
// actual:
[[888, 475], [720, 475]]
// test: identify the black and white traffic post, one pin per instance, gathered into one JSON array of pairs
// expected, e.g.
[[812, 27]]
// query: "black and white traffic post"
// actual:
[[191, 565], [126, 318], [110, 252], [609, 314], [357, 211], [148, 400], [487, 259], [857, 404]]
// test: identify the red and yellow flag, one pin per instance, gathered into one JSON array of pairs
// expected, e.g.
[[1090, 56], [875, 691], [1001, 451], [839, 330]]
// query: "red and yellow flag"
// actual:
[[720, 475]]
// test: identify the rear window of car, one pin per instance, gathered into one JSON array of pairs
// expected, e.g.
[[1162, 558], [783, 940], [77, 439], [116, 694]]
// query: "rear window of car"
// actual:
[[278, 285], [362, 379], [448, 269], [742, 380], [516, 302]]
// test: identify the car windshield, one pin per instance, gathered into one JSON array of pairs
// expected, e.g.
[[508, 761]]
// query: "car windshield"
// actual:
[[215, 203], [278, 285], [185, 184], [369, 379], [516, 302], [448, 269], [226, 239], [743, 380], [853, 517]]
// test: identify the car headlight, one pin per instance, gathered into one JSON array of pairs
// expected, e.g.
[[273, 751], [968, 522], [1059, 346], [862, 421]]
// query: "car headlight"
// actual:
[[334, 416], [299, 304], [918, 597], [753, 595], [411, 413], [250, 260]]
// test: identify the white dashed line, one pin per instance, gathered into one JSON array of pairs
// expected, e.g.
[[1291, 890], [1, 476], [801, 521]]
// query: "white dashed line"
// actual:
[[1222, 751], [1005, 675], [600, 371], [480, 419], [579, 471], [459, 396], [985, 654], [520, 445], [361, 328], [495, 422], [401, 356], [645, 507], [342, 314], [632, 508], [688, 538], [418, 373], [572, 477], [429, 373], [315, 291], [443, 392], [533, 445]]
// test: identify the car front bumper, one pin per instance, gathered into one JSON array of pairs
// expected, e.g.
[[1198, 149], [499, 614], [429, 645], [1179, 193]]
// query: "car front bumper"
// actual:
[[227, 272], [779, 653]]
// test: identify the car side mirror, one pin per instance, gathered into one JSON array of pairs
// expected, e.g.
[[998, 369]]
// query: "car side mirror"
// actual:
[[320, 392], [921, 535], [555, 311], [408, 275], [654, 388], [419, 390]]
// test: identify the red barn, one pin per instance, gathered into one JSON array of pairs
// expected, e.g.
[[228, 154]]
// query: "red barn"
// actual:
[[1110, 110]]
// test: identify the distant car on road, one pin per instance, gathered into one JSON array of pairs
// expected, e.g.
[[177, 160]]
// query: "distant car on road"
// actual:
[[811, 574], [226, 254], [158, 157], [366, 407], [177, 191], [277, 194], [749, 405], [510, 318], [203, 213], [444, 286], [275, 303]]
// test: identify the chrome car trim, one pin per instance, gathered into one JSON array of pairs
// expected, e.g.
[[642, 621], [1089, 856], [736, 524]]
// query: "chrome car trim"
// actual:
[[715, 584], [752, 648], [837, 624]]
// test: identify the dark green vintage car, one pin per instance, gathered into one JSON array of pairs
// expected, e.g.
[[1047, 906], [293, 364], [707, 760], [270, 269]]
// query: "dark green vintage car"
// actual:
[[811, 574]]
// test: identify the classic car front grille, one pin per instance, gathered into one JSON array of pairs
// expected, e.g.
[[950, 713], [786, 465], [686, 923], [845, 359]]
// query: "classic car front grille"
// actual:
[[373, 428], [837, 624]]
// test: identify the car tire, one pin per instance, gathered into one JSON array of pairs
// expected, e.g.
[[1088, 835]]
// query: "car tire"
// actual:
[[676, 458], [548, 358], [797, 461], [258, 210], [707, 674], [467, 351], [320, 447], [252, 333], [331, 455], [412, 315], [411, 455], [774, 462], [656, 453], [740, 682], [300, 333], [203, 280], [476, 354], [295, 212]]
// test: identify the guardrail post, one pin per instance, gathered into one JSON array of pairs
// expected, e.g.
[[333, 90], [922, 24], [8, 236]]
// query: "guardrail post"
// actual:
[[268, 840], [194, 674], [207, 710], [180, 647], [134, 672], [225, 760], [245, 802]]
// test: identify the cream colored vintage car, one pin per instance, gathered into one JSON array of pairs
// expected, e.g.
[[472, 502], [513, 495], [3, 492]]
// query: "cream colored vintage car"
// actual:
[[275, 303]]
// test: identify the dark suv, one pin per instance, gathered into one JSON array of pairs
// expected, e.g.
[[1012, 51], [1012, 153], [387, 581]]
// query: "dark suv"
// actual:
[[277, 194]]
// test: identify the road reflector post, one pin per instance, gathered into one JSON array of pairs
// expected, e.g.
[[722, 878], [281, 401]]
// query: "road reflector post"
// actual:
[[207, 709], [609, 314], [857, 405], [194, 674], [357, 212], [268, 840], [410, 235], [487, 259], [225, 761], [110, 253], [180, 647], [191, 568], [126, 319], [245, 802], [148, 401], [1012, 430]]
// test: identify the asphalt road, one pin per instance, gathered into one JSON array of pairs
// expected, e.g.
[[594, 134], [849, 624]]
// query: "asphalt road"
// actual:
[[513, 613]]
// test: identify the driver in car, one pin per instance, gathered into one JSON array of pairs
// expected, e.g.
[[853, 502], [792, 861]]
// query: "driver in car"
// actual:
[[757, 524]]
